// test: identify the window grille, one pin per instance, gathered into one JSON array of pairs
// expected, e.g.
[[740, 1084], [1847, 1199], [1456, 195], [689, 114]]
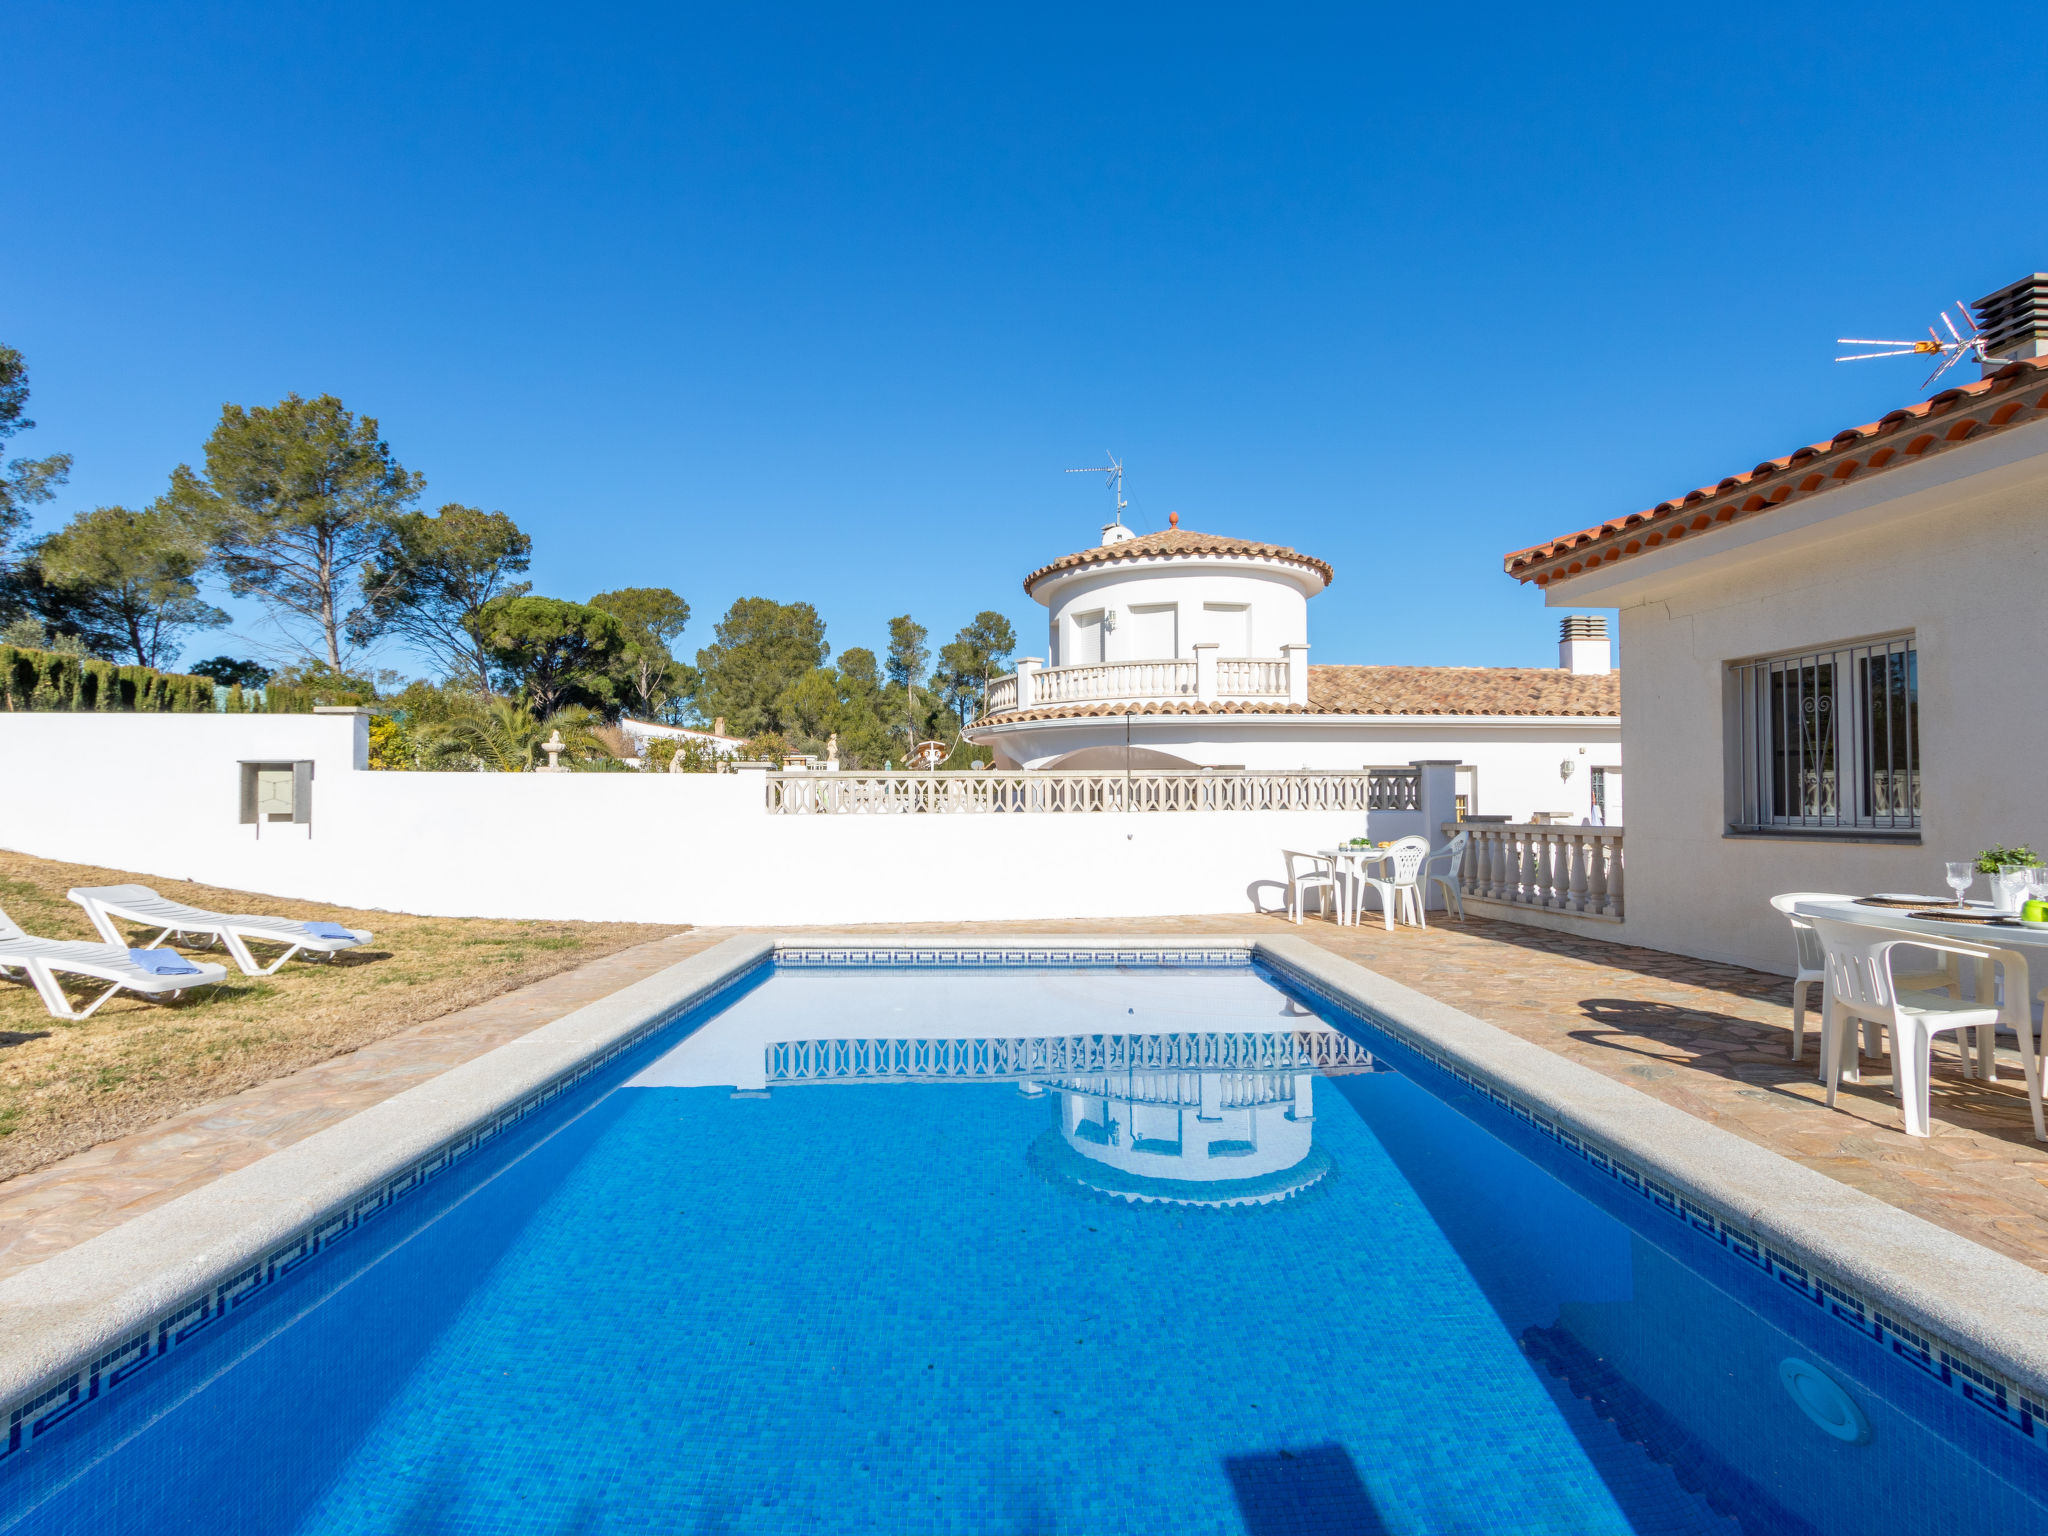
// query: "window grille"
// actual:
[[1829, 740]]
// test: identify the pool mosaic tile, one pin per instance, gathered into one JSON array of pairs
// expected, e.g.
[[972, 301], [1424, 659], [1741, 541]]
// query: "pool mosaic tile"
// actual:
[[1969, 1379], [865, 1305], [36, 1413]]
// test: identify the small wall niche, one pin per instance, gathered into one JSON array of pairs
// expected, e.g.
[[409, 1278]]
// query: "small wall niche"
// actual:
[[279, 791]]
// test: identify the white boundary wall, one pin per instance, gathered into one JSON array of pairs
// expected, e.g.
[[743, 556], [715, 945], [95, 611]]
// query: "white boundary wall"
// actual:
[[160, 795]]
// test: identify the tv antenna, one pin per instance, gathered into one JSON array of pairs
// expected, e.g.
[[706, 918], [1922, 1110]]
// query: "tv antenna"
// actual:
[[1113, 472], [1959, 344]]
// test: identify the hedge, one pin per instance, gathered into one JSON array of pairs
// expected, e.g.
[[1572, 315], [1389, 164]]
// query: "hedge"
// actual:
[[55, 680]]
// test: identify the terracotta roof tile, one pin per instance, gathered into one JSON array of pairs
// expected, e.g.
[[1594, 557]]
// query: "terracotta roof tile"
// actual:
[[1179, 541], [1345, 690], [1338, 690], [2009, 397]]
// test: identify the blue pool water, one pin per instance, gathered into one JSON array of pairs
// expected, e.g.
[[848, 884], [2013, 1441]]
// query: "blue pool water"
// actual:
[[1205, 1258]]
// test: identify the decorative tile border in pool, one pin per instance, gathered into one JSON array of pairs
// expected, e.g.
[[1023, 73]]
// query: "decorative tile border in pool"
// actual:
[[1867, 1317], [48, 1406]]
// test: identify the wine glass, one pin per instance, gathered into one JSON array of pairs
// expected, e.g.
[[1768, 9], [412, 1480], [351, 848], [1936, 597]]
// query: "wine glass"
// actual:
[[1960, 878]]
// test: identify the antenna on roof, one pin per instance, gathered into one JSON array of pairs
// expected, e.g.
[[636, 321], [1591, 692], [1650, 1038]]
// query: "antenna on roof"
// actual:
[[1114, 473], [1967, 342]]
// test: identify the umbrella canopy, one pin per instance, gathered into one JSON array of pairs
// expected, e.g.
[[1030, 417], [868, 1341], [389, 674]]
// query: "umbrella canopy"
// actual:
[[1116, 759]]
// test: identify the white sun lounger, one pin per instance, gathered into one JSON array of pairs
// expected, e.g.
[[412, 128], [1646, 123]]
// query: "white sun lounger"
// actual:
[[116, 964], [139, 904]]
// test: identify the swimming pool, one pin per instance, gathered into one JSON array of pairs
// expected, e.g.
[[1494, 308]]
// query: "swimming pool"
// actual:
[[1030, 1248]]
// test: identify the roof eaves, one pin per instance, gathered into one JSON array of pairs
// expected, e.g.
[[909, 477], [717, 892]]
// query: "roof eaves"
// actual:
[[1222, 548], [1545, 562]]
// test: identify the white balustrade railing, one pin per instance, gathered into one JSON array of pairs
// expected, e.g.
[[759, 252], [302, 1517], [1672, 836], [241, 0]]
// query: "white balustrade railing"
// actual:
[[1394, 789], [1243, 678], [901, 794], [1233, 678], [1114, 680], [1184, 1090], [1549, 868], [1056, 1057]]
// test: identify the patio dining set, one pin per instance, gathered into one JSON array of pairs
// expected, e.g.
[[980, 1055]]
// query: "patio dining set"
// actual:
[[1871, 957], [1402, 874]]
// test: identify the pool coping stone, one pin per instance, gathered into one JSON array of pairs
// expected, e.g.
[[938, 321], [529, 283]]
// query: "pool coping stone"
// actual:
[[65, 1316], [74, 1307]]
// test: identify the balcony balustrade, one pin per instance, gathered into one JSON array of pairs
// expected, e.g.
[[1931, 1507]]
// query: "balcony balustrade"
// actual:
[[1575, 870], [1037, 792], [1206, 678]]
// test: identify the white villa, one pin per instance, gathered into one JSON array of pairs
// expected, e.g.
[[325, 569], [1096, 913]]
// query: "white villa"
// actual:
[[1189, 650], [1832, 683], [714, 741]]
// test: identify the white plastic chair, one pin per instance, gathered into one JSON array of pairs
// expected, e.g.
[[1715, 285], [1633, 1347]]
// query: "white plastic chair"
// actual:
[[1813, 968], [1813, 960], [1452, 856], [1320, 874], [43, 960], [1860, 986], [140, 904], [1402, 882]]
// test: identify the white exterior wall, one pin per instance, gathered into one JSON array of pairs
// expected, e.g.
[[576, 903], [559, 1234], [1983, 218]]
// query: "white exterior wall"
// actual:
[[1517, 764], [159, 795], [1278, 605], [1955, 551], [1516, 761]]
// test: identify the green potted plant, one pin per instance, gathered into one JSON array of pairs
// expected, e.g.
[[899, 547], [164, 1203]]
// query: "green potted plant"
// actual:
[[2005, 871]]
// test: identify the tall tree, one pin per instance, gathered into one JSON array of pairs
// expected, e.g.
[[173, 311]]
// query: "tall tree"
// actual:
[[129, 578], [759, 648], [811, 710], [294, 499], [864, 740], [23, 482], [653, 618], [909, 656], [554, 653], [431, 577], [967, 663], [230, 672]]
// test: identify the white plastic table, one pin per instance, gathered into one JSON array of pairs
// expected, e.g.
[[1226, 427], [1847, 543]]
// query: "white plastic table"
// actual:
[[2029, 945], [1347, 861]]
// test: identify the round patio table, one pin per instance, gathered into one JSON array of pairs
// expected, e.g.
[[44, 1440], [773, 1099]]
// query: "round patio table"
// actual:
[[1347, 861], [2029, 946]]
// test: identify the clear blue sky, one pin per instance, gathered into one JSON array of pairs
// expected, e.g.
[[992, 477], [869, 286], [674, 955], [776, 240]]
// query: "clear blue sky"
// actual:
[[817, 303]]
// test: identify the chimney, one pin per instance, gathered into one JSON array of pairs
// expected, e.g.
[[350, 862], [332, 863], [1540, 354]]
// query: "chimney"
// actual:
[[1582, 645], [2014, 321], [1115, 533], [718, 726]]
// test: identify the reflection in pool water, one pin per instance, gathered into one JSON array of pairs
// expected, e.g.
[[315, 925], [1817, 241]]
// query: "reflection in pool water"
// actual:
[[1210, 1136]]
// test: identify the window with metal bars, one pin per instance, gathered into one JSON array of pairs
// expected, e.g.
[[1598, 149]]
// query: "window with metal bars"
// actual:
[[1828, 741]]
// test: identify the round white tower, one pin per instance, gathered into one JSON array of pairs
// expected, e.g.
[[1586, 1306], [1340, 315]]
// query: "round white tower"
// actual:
[[1155, 596]]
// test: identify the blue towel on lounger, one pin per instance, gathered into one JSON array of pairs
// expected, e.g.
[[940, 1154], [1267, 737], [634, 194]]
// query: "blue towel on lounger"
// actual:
[[163, 962], [327, 930]]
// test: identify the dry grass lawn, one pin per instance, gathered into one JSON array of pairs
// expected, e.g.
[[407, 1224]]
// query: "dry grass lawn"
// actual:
[[65, 1086]]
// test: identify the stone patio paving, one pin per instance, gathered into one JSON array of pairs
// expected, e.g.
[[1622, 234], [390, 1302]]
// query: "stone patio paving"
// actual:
[[1710, 1039]]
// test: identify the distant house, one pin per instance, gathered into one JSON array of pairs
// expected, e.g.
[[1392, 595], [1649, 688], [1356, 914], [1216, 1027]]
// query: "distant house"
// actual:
[[1180, 650], [714, 740], [1834, 680]]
